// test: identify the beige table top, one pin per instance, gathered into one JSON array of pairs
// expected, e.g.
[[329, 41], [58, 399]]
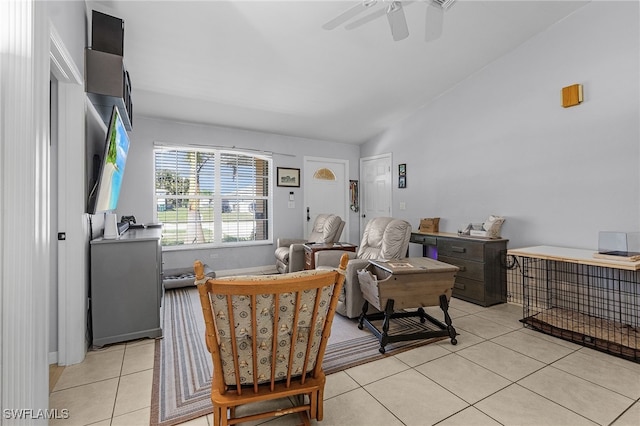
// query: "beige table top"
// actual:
[[413, 265], [571, 255]]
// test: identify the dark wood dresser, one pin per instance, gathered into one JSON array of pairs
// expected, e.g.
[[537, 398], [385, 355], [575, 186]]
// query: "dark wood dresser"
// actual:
[[482, 278]]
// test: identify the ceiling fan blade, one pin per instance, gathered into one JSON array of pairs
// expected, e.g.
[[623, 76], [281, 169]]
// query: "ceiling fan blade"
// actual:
[[443, 4], [371, 17], [433, 23], [367, 18], [349, 13], [397, 21]]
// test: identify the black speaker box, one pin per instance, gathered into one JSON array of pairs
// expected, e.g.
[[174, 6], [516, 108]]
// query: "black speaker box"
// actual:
[[107, 33]]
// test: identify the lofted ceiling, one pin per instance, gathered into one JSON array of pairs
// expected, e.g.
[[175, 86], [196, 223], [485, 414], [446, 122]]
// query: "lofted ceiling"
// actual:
[[270, 66]]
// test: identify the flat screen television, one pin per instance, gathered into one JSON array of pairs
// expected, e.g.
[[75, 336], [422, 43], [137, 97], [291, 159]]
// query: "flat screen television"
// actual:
[[105, 192]]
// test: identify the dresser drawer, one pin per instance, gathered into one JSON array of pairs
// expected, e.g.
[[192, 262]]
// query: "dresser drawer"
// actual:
[[461, 248], [427, 240], [468, 268], [470, 290]]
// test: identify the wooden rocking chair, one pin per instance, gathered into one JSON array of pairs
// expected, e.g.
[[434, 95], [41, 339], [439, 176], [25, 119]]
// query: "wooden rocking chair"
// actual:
[[267, 336]]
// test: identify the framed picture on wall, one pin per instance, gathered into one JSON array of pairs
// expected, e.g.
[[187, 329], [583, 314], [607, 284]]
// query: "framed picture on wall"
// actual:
[[402, 175], [288, 177], [353, 194]]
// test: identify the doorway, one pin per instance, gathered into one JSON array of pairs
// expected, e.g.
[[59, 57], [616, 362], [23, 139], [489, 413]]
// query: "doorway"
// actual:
[[68, 217], [375, 185], [326, 190], [53, 220]]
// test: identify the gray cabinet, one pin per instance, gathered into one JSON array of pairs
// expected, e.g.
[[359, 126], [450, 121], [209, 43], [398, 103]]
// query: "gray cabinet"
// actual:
[[482, 279], [126, 287]]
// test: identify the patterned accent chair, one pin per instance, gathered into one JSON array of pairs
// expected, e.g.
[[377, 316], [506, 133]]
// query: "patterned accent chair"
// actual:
[[383, 238], [327, 228], [267, 336]]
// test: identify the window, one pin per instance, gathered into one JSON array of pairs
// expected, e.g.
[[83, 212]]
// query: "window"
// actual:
[[211, 196]]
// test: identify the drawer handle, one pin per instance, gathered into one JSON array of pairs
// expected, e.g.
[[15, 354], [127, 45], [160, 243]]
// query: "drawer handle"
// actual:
[[458, 286], [458, 249]]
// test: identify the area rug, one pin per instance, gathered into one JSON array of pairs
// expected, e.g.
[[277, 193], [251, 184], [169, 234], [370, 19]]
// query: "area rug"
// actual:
[[182, 366]]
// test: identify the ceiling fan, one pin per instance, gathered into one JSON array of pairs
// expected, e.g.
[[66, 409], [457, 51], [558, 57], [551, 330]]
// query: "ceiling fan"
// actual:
[[394, 12]]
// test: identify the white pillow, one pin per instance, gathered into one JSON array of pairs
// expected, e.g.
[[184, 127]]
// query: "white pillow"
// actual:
[[493, 226]]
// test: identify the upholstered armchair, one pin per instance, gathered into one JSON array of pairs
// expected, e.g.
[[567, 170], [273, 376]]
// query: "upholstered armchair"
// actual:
[[383, 238], [327, 228]]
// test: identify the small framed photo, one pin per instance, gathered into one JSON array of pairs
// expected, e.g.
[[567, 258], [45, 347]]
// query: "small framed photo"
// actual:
[[402, 175], [288, 177]]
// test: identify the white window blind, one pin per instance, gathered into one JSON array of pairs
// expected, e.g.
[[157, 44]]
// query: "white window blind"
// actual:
[[209, 196]]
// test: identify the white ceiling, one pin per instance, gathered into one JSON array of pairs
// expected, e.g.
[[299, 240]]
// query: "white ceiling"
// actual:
[[269, 66]]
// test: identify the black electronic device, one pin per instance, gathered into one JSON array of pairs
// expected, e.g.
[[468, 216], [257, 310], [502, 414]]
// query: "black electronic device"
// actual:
[[129, 219], [107, 33], [106, 190]]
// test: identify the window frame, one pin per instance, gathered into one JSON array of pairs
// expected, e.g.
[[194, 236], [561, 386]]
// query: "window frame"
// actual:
[[217, 196]]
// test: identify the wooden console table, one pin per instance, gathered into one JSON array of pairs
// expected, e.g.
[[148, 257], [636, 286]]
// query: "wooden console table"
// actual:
[[570, 294], [407, 283], [310, 250]]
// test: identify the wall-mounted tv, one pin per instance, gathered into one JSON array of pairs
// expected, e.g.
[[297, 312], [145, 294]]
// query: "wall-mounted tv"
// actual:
[[105, 192]]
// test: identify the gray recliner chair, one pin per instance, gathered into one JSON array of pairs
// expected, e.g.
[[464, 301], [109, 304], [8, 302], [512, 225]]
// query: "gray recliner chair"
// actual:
[[327, 228], [383, 238]]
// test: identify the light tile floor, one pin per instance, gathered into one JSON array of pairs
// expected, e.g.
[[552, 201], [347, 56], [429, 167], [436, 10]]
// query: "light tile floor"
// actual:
[[498, 373]]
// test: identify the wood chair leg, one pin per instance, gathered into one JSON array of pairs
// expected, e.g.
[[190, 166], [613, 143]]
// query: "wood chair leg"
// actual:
[[224, 415], [217, 415], [304, 416], [313, 402], [320, 399]]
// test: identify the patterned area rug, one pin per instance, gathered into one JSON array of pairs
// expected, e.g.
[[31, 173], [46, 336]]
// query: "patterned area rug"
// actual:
[[182, 367]]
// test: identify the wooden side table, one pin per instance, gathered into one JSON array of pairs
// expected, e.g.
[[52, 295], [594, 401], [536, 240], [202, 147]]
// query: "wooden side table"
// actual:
[[407, 283], [310, 250]]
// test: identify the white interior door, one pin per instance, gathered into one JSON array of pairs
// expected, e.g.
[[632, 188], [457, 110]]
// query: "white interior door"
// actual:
[[326, 190], [375, 187]]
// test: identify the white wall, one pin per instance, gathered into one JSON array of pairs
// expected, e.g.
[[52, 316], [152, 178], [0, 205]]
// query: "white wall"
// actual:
[[138, 186], [69, 19], [500, 143]]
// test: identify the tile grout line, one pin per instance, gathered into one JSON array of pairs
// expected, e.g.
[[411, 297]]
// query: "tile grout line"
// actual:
[[115, 399]]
